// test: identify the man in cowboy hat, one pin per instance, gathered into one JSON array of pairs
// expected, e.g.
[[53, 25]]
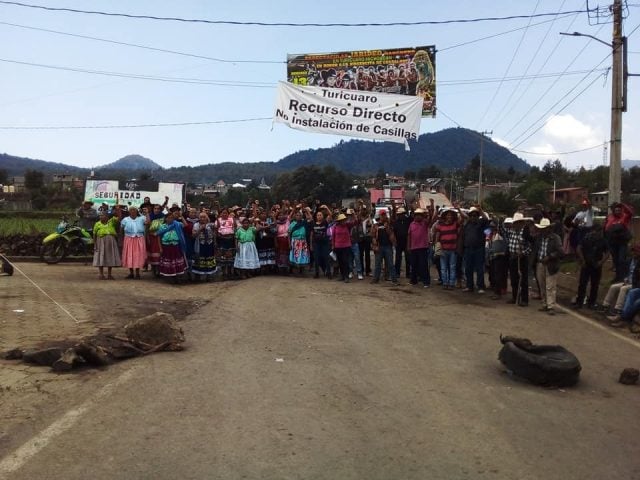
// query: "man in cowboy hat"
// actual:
[[400, 221], [519, 242], [87, 215], [382, 242], [418, 247], [592, 253], [547, 252], [473, 240]]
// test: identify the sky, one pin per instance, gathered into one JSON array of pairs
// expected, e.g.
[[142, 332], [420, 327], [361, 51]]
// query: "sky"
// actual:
[[539, 93]]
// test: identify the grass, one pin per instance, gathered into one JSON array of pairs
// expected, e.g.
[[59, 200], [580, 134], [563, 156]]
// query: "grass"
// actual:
[[26, 226]]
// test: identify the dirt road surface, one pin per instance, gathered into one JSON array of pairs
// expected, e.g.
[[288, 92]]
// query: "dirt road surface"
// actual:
[[295, 378]]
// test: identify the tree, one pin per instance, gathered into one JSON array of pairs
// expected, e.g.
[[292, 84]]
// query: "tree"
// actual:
[[4, 176], [500, 202], [33, 180]]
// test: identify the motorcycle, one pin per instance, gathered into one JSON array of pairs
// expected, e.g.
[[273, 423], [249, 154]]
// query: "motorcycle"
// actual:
[[68, 240]]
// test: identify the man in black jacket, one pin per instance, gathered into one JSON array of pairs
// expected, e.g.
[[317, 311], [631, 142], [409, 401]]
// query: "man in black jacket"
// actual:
[[547, 252], [592, 252]]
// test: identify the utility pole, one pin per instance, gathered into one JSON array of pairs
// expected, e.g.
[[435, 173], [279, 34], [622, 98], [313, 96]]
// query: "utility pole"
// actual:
[[482, 134], [615, 152]]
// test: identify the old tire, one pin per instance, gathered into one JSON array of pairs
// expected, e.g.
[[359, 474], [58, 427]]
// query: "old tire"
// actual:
[[548, 365]]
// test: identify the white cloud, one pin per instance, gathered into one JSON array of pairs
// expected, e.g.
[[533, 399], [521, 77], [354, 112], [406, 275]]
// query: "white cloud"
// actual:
[[501, 142], [568, 129]]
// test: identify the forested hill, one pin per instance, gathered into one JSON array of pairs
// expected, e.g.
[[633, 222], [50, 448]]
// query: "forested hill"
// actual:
[[16, 166], [448, 149]]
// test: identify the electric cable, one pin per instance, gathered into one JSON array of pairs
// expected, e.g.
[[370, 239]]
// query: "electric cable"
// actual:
[[144, 125], [544, 94], [506, 32], [513, 57], [559, 111], [280, 24], [544, 64], [499, 118], [135, 45]]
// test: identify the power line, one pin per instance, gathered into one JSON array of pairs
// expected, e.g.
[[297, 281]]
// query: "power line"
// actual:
[[559, 111], [225, 83], [536, 103], [145, 47], [558, 153], [144, 125], [499, 118], [544, 64], [240, 83], [513, 57], [283, 24], [506, 32]]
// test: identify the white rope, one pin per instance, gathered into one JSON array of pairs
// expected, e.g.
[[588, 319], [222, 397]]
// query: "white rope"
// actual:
[[38, 287]]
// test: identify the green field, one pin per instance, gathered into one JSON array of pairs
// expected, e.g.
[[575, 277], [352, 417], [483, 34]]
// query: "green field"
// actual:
[[17, 225]]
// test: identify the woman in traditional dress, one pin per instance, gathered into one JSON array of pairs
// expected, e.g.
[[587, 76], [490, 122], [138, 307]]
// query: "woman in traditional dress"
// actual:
[[204, 260], [225, 249], [153, 241], [265, 242], [105, 235], [173, 262], [299, 255], [246, 252], [282, 242], [134, 249], [189, 222]]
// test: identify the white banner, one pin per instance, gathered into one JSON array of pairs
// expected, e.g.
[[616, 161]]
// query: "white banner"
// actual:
[[108, 191], [380, 116]]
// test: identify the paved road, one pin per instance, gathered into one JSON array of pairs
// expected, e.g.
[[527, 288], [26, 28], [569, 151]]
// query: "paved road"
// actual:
[[300, 379]]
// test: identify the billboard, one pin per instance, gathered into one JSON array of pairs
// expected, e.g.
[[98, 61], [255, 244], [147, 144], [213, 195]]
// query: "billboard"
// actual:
[[402, 71], [379, 116], [113, 192]]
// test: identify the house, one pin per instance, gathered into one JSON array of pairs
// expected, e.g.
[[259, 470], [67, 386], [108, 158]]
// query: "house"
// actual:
[[436, 185], [600, 199], [568, 196], [66, 182], [470, 193]]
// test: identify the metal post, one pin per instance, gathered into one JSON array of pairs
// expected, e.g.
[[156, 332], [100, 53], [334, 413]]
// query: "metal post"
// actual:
[[615, 161]]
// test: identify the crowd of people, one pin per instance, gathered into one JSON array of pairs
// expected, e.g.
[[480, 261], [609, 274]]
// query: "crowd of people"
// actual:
[[466, 247]]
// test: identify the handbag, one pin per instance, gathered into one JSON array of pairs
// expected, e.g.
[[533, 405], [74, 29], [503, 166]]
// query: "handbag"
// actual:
[[437, 250], [333, 256]]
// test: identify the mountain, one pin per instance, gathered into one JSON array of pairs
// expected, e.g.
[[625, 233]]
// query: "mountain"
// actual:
[[132, 162], [629, 164], [447, 149], [16, 166]]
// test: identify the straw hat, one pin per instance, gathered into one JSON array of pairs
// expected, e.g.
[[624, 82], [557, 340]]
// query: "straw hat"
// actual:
[[401, 210], [508, 221], [519, 217], [419, 211], [544, 223], [340, 217]]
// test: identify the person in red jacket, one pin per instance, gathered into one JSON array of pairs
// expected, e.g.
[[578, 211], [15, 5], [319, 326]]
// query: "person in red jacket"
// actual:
[[618, 233], [341, 244]]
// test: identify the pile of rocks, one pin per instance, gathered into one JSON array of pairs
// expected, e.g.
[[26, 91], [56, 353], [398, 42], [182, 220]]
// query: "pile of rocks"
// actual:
[[22, 245]]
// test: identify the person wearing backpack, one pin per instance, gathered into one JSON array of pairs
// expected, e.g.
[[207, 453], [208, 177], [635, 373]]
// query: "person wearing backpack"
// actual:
[[617, 232]]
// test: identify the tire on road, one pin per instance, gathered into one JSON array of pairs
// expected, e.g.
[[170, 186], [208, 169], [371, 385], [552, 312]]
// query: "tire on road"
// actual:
[[548, 365]]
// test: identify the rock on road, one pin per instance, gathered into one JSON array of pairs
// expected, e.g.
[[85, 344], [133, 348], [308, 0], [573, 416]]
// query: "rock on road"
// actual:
[[289, 378]]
